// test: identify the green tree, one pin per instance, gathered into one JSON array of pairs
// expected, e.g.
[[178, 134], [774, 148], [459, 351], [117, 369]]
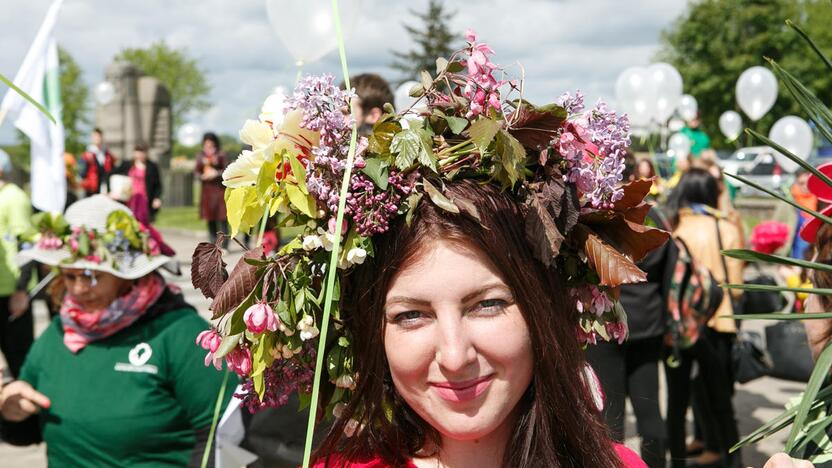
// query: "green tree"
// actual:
[[714, 41], [178, 71], [433, 39], [75, 112]]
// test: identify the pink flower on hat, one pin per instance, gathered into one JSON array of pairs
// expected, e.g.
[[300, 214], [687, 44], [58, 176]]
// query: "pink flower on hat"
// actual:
[[239, 361], [260, 317]]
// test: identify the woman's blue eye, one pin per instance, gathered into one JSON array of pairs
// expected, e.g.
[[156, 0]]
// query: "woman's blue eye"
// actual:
[[410, 315], [491, 305]]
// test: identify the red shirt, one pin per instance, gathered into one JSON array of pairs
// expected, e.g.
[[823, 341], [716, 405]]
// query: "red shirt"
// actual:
[[629, 459]]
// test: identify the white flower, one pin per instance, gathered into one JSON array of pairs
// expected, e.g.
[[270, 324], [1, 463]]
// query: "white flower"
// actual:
[[345, 381], [356, 255], [244, 170], [274, 108], [350, 427], [327, 239], [312, 242], [257, 134], [307, 328], [338, 409]]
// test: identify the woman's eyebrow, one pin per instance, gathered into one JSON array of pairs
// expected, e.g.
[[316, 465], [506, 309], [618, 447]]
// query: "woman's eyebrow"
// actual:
[[406, 300], [488, 287]]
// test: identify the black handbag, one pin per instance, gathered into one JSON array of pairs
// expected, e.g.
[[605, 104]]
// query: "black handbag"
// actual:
[[749, 357], [789, 350], [762, 302]]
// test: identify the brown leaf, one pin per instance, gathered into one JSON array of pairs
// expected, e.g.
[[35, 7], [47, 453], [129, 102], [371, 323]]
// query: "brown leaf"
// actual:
[[634, 193], [613, 268], [570, 209], [636, 214], [633, 240], [239, 285], [534, 126], [542, 233], [208, 269]]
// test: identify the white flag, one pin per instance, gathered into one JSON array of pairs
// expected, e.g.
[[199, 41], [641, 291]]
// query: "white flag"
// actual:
[[39, 78]]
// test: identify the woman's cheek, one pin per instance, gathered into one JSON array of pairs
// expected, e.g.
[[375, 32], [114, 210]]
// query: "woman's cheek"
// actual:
[[409, 354]]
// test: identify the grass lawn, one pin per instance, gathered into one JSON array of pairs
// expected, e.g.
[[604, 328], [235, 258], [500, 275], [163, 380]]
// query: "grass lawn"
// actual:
[[183, 217]]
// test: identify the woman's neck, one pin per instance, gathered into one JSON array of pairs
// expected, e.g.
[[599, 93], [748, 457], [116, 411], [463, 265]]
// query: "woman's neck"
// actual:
[[486, 452]]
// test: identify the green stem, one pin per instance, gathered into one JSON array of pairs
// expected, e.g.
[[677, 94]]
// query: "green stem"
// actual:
[[217, 406]]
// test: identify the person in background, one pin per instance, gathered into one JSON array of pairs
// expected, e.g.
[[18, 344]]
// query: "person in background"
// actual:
[[110, 381], [146, 195], [700, 141], [692, 207], [805, 198], [16, 325], [631, 369], [372, 92], [725, 203], [646, 170], [70, 167], [96, 164], [210, 162]]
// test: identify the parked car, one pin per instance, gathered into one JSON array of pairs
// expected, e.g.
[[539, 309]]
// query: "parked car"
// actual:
[[759, 165]]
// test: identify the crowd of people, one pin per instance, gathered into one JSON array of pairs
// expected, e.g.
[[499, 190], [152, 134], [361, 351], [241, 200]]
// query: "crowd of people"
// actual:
[[121, 328]]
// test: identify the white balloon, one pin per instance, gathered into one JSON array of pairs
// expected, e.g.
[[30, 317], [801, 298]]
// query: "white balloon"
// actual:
[[307, 28], [635, 95], [667, 86], [104, 93], [674, 125], [794, 134], [189, 134], [688, 108], [402, 96], [730, 123], [678, 146], [756, 92]]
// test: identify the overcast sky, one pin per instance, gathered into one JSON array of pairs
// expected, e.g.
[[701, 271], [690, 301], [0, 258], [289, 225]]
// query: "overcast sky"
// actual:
[[562, 45]]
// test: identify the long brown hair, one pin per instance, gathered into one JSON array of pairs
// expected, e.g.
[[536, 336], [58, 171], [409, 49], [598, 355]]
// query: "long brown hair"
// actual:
[[558, 423]]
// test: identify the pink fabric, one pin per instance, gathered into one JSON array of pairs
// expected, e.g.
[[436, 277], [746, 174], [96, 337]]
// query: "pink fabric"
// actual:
[[82, 327], [138, 202], [629, 459], [137, 177]]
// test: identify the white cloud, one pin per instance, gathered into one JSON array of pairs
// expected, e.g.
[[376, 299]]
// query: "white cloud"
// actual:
[[562, 45]]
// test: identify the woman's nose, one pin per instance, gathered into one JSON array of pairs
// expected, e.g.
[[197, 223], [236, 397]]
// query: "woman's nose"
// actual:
[[455, 350]]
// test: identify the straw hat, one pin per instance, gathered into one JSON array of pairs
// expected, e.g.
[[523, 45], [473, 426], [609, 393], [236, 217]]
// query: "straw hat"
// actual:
[[92, 214]]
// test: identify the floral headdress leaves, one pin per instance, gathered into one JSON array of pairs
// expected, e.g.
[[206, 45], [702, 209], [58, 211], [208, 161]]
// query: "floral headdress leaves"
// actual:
[[632, 239], [238, 286], [611, 266], [535, 127], [208, 271], [544, 207]]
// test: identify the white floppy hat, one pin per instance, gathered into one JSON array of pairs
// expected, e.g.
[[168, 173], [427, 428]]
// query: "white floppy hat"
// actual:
[[92, 213]]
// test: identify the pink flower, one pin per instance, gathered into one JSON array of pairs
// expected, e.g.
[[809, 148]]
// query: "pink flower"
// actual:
[[260, 317], [93, 258], [586, 337], [239, 361], [334, 222], [481, 88], [210, 340], [616, 331]]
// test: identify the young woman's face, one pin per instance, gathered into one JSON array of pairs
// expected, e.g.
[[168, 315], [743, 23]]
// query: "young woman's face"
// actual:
[[457, 344]]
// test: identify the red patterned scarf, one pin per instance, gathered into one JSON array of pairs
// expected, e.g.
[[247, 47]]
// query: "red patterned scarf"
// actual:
[[82, 327]]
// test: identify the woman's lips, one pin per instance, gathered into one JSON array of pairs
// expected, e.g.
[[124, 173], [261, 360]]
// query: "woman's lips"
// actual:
[[458, 392]]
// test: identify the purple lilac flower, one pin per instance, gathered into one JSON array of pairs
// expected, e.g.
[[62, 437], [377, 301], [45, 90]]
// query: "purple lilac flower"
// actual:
[[282, 378], [372, 208], [572, 104]]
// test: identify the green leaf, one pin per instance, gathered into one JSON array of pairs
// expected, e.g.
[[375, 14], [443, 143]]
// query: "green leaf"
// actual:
[[335, 362], [441, 65], [379, 141], [300, 174], [416, 91], [456, 124], [811, 43], [425, 79], [767, 287], [483, 132], [752, 256], [782, 316], [25, 96], [798, 160], [455, 67], [813, 106], [227, 345], [411, 145], [83, 245], [819, 374], [377, 171], [438, 198], [511, 156], [824, 218], [265, 178], [412, 203], [303, 202]]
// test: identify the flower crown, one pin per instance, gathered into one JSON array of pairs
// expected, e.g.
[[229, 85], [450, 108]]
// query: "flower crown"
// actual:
[[563, 163], [123, 240]]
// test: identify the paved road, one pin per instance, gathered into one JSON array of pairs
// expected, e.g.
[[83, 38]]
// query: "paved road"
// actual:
[[756, 402]]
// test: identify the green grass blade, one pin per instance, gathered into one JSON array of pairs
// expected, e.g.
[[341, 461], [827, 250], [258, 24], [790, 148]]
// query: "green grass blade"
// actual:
[[818, 376], [818, 428], [812, 44], [752, 256], [824, 218], [817, 110], [781, 316], [773, 288], [25, 96], [799, 161]]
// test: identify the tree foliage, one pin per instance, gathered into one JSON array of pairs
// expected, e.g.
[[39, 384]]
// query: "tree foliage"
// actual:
[[178, 71], [714, 41], [75, 111], [433, 39]]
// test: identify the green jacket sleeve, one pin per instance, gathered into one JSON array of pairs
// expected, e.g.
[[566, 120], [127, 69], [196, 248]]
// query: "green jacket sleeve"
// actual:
[[195, 386]]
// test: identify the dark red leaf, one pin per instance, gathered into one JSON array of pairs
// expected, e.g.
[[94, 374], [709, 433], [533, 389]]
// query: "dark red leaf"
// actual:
[[541, 231], [633, 240], [239, 285], [634, 193], [636, 214], [208, 269], [534, 127], [612, 267]]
